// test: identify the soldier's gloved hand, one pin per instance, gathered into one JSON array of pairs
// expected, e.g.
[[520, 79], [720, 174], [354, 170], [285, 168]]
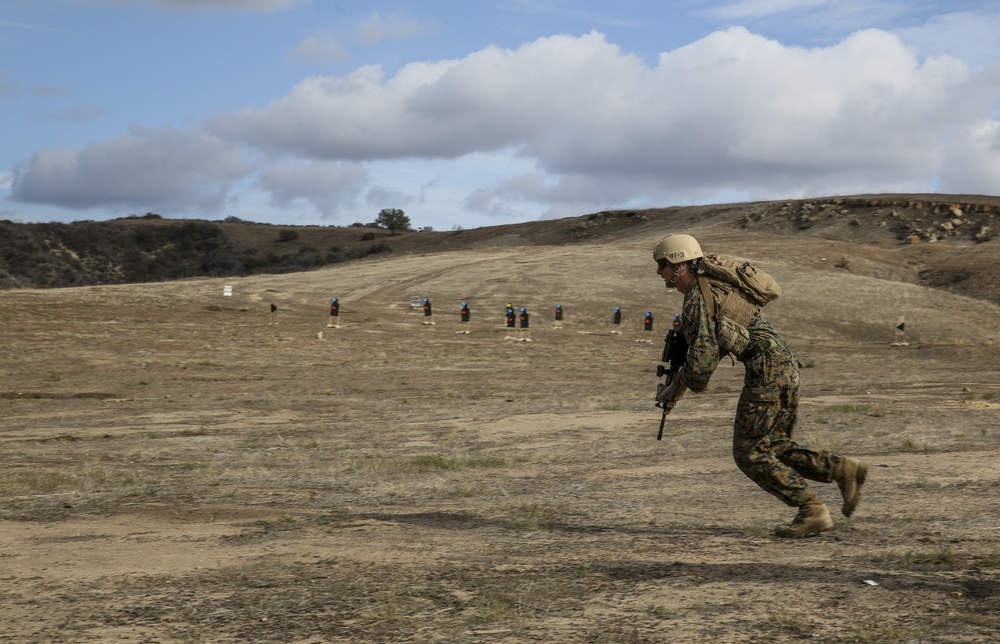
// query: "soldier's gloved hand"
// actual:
[[672, 393]]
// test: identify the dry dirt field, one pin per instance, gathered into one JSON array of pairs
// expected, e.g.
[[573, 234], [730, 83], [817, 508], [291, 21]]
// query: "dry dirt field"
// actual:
[[180, 467]]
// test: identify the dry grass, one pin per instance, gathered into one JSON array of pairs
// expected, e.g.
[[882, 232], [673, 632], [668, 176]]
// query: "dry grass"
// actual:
[[394, 482]]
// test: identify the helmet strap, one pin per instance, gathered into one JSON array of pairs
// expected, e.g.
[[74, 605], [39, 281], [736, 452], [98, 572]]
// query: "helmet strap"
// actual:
[[675, 274]]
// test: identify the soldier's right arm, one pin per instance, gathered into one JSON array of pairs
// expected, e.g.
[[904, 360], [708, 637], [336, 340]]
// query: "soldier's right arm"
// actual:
[[703, 347]]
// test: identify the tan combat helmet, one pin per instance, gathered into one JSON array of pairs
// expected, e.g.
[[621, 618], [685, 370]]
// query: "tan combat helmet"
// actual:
[[677, 248]]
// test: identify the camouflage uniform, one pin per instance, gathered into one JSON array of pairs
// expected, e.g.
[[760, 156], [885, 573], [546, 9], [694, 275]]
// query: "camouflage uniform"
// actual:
[[765, 417]]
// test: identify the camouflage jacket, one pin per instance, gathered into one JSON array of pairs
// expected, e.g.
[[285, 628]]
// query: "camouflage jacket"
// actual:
[[703, 347]]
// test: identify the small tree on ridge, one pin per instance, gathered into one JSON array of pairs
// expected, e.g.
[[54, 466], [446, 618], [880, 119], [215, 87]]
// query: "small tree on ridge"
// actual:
[[394, 219]]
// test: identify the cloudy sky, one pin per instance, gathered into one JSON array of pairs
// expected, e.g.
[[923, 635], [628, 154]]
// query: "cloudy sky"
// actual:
[[481, 112]]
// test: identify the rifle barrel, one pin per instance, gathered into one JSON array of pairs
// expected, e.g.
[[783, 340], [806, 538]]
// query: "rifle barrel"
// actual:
[[663, 421]]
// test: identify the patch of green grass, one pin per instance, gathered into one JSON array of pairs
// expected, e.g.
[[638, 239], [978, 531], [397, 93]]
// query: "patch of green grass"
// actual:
[[103, 477], [187, 636], [943, 558], [910, 445], [150, 489], [883, 634], [257, 442], [434, 462], [40, 482], [846, 408], [759, 531], [200, 431], [790, 623], [535, 516], [467, 491], [858, 408], [496, 607], [487, 461], [280, 523], [442, 462], [384, 612]]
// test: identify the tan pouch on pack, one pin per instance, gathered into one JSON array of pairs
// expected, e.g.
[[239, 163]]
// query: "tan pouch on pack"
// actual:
[[733, 338], [752, 281]]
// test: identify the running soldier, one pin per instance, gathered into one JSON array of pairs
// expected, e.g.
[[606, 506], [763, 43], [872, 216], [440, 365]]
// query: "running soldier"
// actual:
[[729, 323]]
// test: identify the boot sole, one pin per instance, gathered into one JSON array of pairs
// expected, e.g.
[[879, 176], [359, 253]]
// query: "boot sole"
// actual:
[[806, 535], [860, 476]]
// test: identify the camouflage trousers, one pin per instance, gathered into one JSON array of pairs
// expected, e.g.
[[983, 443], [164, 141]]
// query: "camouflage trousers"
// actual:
[[762, 433]]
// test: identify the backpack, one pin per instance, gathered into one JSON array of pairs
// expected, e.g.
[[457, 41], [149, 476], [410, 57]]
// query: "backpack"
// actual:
[[750, 280], [745, 290]]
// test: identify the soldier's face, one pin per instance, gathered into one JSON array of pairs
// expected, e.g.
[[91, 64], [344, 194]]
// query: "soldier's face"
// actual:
[[667, 271]]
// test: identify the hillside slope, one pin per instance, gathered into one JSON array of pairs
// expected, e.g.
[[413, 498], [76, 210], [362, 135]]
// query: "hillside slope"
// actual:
[[943, 241], [181, 465]]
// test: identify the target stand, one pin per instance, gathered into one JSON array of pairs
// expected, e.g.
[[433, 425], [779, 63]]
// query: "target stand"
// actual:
[[899, 335], [616, 322], [428, 313], [334, 322]]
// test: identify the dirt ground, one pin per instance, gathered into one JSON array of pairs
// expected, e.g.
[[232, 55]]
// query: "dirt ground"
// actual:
[[181, 466]]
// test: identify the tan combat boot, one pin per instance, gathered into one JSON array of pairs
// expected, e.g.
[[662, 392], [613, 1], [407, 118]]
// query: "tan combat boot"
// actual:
[[850, 475], [813, 518]]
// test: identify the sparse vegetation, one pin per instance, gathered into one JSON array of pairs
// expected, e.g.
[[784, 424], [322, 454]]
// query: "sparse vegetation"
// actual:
[[858, 408], [881, 633], [269, 485], [789, 623], [138, 250], [154, 248], [535, 516]]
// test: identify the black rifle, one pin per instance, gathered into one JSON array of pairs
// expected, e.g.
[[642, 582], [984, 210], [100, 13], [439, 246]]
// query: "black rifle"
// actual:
[[675, 348]]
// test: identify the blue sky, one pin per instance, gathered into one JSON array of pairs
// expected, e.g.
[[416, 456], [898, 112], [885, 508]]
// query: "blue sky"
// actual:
[[476, 113]]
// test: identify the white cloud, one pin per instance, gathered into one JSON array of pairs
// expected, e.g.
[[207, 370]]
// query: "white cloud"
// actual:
[[974, 164], [969, 35], [749, 9], [13, 88], [327, 186], [319, 49], [818, 21], [379, 197], [731, 108], [491, 99], [376, 29], [85, 112], [167, 169], [733, 113]]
